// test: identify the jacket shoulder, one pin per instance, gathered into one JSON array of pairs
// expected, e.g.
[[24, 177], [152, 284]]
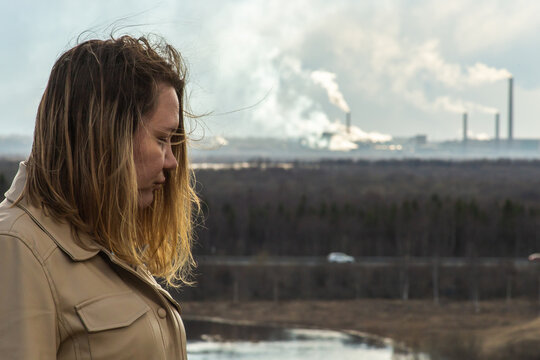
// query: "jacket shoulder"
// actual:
[[16, 223]]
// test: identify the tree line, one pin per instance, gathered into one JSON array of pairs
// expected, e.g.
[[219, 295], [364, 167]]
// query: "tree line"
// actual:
[[365, 208]]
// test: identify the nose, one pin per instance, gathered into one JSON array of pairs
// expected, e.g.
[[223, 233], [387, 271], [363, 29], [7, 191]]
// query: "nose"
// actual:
[[170, 162]]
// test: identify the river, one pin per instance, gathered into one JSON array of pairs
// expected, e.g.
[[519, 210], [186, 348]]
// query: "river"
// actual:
[[215, 340]]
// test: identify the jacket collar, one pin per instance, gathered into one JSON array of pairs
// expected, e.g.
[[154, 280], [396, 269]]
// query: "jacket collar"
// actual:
[[78, 246]]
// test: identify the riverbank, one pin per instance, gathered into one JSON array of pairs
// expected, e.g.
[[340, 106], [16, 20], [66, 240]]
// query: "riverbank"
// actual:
[[455, 330]]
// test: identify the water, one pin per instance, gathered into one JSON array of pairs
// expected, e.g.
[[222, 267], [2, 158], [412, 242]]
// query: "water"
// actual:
[[240, 165], [222, 341]]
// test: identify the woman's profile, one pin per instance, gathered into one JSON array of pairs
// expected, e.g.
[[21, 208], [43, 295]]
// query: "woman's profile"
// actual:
[[103, 205]]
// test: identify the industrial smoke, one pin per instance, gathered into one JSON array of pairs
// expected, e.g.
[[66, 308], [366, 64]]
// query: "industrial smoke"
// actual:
[[327, 81]]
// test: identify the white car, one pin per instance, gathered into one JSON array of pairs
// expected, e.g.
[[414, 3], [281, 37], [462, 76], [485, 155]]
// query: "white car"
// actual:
[[339, 257]]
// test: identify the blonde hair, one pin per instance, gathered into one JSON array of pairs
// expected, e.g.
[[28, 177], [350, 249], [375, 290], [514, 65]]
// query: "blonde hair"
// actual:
[[81, 166]]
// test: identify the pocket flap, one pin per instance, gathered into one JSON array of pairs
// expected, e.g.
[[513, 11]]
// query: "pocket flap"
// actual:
[[111, 311]]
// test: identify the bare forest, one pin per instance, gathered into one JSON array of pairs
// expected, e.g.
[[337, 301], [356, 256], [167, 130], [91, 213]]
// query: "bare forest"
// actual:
[[420, 208]]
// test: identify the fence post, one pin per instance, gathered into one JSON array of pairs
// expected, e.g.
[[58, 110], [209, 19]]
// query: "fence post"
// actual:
[[276, 290], [236, 295], [435, 279]]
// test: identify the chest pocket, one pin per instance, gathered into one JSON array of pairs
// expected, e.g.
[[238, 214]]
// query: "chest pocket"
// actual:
[[119, 327], [111, 311]]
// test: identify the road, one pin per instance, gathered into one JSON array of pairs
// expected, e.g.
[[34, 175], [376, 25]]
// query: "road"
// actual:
[[362, 261]]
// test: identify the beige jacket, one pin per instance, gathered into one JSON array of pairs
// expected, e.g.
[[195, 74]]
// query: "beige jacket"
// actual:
[[62, 298]]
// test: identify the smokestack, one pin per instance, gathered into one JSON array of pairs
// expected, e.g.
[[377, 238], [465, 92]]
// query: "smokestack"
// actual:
[[497, 135], [464, 128], [510, 110], [348, 122]]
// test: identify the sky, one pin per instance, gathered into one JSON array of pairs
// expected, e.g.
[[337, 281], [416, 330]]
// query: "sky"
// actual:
[[291, 68]]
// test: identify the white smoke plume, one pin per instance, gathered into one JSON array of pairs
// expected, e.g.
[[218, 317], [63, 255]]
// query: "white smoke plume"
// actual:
[[472, 135], [478, 136], [337, 138], [328, 82], [445, 103], [291, 105], [426, 62], [481, 74], [426, 59]]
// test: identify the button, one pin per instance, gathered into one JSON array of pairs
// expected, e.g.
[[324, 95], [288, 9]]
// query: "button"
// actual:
[[162, 313]]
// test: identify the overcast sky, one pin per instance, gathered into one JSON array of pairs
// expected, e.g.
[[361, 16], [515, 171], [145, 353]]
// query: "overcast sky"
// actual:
[[266, 68]]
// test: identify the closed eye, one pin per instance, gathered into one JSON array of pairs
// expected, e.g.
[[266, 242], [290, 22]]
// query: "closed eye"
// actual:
[[164, 137]]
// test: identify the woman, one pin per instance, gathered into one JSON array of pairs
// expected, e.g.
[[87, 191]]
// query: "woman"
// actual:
[[103, 204]]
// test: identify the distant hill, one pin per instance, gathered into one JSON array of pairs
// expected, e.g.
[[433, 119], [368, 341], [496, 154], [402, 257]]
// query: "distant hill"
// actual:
[[15, 147]]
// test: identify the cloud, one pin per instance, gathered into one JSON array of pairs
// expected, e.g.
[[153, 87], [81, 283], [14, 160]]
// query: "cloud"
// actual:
[[445, 103], [479, 74], [487, 24], [410, 70]]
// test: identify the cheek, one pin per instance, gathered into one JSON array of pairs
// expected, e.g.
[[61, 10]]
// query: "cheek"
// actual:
[[141, 159], [148, 159]]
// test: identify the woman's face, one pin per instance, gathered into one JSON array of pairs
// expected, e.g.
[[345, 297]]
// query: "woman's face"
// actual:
[[152, 152]]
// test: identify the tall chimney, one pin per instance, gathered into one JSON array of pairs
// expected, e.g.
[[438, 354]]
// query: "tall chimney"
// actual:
[[510, 110], [348, 122], [497, 134], [464, 128]]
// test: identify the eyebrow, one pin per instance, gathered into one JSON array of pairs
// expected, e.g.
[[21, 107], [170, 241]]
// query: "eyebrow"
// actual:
[[169, 129]]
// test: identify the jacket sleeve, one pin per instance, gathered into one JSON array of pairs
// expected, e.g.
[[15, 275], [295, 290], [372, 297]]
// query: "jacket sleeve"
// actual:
[[27, 311]]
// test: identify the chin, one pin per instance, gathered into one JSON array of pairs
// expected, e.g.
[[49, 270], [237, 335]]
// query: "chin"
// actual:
[[145, 199]]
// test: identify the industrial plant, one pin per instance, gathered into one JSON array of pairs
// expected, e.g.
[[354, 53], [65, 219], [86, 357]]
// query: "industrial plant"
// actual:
[[356, 143], [345, 140]]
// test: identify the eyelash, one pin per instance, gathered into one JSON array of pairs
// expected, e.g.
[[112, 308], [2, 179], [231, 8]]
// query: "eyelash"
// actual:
[[163, 140]]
